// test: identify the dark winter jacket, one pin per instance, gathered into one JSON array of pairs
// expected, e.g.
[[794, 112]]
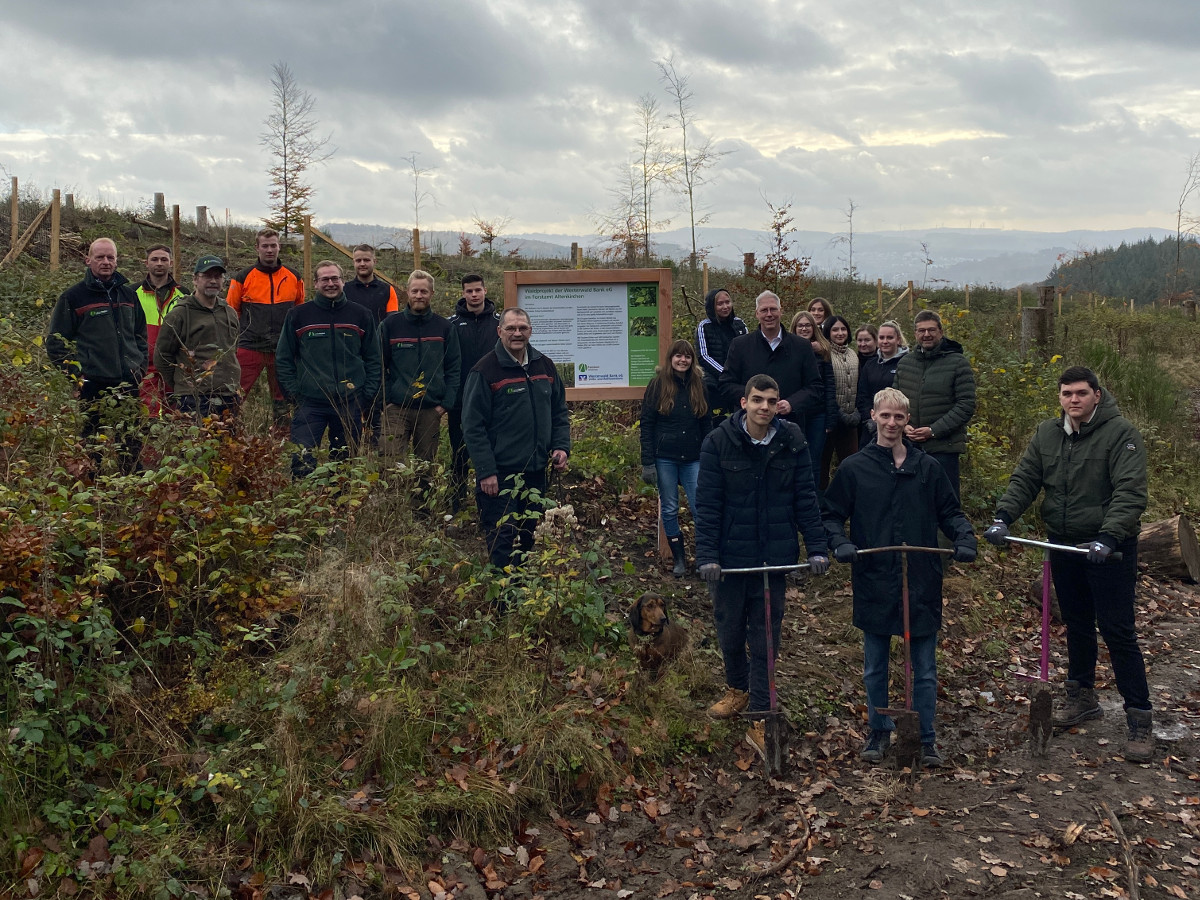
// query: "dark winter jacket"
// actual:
[[98, 330], [263, 298], [197, 349], [877, 374], [476, 335], [940, 388], [752, 499], [376, 296], [792, 364], [514, 416], [420, 360], [676, 436], [888, 506], [1095, 481], [328, 353], [713, 337], [829, 409]]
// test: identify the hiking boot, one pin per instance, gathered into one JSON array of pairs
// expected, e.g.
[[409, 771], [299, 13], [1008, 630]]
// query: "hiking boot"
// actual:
[[1139, 746], [676, 545], [756, 737], [1080, 705], [930, 758], [877, 746], [730, 705]]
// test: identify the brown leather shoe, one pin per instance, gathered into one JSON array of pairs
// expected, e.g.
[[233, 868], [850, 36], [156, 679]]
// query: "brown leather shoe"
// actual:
[[730, 705]]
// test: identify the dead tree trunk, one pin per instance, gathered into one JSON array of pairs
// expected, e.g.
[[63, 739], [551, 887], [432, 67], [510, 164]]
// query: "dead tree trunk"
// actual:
[[1170, 548]]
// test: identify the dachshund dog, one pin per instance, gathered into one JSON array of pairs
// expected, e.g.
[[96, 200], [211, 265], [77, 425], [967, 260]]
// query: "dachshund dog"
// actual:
[[648, 618]]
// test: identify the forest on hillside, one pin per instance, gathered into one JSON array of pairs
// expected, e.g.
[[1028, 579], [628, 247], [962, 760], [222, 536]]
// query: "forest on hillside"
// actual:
[[1147, 270]]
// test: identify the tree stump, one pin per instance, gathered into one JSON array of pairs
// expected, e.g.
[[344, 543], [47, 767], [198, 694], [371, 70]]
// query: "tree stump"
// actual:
[[1170, 548]]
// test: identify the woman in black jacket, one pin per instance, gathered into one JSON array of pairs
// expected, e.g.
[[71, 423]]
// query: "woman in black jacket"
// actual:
[[674, 423], [878, 373]]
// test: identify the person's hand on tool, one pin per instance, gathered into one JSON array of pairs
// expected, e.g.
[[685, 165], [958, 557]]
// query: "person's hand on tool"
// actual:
[[650, 475], [964, 553], [997, 535], [1098, 552], [818, 564], [710, 572], [845, 553]]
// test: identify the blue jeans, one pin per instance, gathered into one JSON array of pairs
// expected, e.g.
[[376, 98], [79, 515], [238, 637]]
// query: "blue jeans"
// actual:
[[672, 476], [814, 433], [876, 650], [740, 616]]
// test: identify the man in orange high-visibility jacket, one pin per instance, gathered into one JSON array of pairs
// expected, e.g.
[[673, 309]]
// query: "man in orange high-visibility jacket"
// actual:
[[263, 295], [156, 294]]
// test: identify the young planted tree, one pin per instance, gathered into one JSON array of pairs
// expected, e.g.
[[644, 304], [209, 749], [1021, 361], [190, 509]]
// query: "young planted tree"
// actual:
[[1183, 223], [490, 230], [621, 227], [655, 165], [294, 142], [420, 196], [695, 156], [782, 271]]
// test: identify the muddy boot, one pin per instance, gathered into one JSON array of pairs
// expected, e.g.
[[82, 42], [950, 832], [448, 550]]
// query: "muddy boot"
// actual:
[[730, 705], [1079, 706], [1139, 746], [676, 544]]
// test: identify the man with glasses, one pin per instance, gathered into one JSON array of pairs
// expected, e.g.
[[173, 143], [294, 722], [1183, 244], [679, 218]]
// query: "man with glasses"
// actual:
[[327, 360], [515, 420], [937, 379]]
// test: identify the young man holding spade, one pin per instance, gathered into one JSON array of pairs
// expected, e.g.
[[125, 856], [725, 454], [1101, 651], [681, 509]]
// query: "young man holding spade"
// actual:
[[894, 493], [754, 492]]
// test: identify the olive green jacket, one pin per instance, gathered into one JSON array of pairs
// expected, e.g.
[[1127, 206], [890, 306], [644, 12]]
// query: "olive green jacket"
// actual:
[[1094, 480], [940, 388]]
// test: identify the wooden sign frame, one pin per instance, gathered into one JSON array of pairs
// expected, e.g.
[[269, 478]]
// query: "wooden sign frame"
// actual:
[[661, 277]]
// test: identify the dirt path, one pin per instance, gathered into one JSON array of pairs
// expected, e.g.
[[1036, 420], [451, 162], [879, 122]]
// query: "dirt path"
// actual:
[[995, 822]]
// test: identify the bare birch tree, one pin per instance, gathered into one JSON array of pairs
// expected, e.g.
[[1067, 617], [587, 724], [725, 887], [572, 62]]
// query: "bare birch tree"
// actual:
[[294, 142], [695, 157], [1184, 224], [420, 196]]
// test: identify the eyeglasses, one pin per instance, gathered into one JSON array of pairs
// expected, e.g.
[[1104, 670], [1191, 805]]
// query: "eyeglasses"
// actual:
[[329, 279]]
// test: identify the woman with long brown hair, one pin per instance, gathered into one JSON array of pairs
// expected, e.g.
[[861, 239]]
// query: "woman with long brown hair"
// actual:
[[842, 431], [816, 426], [674, 423]]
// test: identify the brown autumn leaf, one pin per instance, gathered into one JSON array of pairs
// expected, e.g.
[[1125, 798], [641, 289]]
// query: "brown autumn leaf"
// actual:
[[30, 860], [1103, 873], [651, 808], [536, 863], [1176, 891], [349, 764]]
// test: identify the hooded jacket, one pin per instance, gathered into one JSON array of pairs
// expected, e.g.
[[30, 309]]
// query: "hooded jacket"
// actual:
[[476, 335], [888, 506], [792, 364], [514, 416], [878, 373], [940, 388], [328, 352], [676, 436], [1094, 480], [713, 337], [262, 298], [421, 366], [752, 499], [107, 327], [197, 349]]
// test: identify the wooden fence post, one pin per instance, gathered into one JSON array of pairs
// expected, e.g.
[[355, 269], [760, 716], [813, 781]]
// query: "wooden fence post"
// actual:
[[308, 260], [176, 243], [227, 235], [15, 206], [747, 263], [202, 218], [879, 295], [579, 257], [55, 229], [1018, 303], [910, 298], [704, 280], [1059, 292], [416, 239], [967, 291], [574, 253], [160, 207]]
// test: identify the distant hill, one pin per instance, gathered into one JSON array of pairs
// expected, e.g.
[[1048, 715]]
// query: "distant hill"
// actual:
[[1142, 270], [959, 255]]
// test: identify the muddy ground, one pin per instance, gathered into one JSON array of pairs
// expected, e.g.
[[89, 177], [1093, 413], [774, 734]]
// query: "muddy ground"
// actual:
[[997, 821]]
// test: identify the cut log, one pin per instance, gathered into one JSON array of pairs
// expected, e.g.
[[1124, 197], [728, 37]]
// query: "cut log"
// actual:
[[1170, 548]]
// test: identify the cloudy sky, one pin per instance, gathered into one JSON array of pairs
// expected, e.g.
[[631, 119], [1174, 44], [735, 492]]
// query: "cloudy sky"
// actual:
[[1007, 114]]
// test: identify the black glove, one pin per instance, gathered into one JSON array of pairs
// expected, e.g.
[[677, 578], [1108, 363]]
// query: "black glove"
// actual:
[[997, 535], [650, 475], [710, 572], [1098, 552], [818, 564], [851, 419], [845, 553], [964, 553]]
